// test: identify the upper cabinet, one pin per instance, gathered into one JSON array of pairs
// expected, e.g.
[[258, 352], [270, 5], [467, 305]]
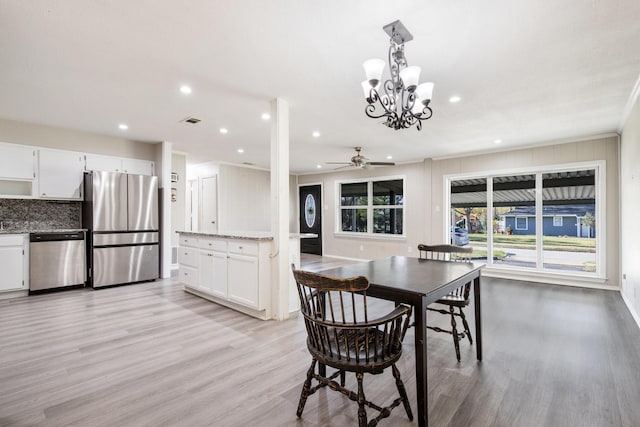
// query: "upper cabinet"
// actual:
[[137, 167], [98, 162], [46, 173], [17, 162], [60, 174]]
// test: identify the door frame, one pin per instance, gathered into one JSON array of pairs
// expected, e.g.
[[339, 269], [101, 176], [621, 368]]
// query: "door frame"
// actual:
[[322, 228]]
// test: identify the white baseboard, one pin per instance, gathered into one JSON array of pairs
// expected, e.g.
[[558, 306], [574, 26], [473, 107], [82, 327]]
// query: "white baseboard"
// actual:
[[346, 258], [634, 314]]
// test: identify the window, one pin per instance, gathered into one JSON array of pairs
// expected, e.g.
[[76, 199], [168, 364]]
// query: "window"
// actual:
[[372, 207], [544, 219], [522, 223]]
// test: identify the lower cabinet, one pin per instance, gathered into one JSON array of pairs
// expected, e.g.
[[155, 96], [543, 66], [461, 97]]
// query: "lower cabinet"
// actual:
[[233, 272], [243, 280], [212, 273], [14, 262]]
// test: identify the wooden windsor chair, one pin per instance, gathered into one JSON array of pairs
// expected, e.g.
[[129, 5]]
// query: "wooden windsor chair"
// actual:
[[341, 335], [459, 298]]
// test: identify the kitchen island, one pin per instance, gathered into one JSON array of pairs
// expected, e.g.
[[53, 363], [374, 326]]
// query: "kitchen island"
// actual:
[[233, 269]]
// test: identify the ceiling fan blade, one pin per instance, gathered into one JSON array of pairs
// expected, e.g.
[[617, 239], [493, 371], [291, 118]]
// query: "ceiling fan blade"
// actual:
[[339, 163], [381, 163], [342, 167]]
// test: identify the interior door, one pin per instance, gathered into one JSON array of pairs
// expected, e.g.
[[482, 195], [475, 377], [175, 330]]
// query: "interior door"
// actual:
[[209, 205], [311, 218]]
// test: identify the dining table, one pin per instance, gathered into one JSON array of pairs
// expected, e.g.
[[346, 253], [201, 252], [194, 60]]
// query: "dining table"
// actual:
[[418, 282]]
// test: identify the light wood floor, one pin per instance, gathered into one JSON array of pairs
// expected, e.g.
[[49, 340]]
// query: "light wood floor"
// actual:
[[152, 355]]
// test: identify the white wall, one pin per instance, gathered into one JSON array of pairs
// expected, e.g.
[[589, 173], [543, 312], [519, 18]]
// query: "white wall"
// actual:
[[244, 201], [630, 209]]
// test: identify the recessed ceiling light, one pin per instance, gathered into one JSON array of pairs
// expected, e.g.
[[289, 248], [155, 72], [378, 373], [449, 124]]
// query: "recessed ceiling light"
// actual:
[[224, 130], [240, 150], [315, 134], [185, 89], [319, 166], [123, 126], [389, 157], [497, 141], [455, 99], [266, 116]]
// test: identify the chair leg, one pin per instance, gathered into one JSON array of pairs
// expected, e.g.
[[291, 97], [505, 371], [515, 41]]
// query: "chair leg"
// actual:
[[456, 337], [342, 378], [362, 413], [402, 391], [305, 388], [466, 326]]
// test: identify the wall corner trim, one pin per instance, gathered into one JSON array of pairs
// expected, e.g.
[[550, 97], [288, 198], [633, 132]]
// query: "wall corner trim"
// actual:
[[634, 314]]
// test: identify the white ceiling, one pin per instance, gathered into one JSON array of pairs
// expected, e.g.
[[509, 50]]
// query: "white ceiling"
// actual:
[[528, 72]]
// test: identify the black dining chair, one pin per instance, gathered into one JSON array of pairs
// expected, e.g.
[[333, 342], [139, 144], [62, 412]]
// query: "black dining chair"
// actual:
[[459, 298], [341, 336]]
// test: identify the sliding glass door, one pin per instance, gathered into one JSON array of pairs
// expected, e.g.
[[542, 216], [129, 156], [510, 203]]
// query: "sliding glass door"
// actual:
[[539, 220]]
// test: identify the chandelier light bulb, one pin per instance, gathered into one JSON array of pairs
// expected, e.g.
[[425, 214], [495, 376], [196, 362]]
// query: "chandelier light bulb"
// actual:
[[424, 92], [410, 77], [373, 69]]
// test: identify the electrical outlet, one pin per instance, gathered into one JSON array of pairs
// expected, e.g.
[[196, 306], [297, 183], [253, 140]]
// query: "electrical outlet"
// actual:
[[409, 249], [361, 248]]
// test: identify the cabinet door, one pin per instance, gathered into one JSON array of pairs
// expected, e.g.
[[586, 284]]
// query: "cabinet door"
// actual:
[[97, 162], [12, 267], [60, 174], [137, 167], [213, 273], [17, 162], [243, 280]]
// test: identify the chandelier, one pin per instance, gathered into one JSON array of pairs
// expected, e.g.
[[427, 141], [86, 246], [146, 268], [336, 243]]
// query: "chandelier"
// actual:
[[404, 102]]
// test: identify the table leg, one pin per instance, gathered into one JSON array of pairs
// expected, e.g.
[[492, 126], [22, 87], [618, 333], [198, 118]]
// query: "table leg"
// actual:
[[476, 301], [421, 362]]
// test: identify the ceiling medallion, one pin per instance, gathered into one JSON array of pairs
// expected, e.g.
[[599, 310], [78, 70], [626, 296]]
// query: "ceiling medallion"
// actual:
[[405, 102]]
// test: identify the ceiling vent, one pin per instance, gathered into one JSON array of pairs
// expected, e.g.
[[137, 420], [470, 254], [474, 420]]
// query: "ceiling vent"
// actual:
[[191, 120]]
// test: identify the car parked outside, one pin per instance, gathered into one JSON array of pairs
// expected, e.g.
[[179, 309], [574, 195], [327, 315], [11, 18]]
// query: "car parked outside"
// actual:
[[459, 236]]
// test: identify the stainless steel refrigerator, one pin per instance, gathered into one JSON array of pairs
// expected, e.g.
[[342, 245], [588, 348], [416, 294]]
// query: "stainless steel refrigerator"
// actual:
[[120, 212]]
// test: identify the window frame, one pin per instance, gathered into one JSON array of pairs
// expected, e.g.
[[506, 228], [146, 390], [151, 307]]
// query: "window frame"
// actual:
[[370, 207], [526, 222], [600, 275], [557, 223]]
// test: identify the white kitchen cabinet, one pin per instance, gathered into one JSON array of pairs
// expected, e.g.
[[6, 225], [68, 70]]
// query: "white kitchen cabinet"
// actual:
[[60, 174], [14, 262], [17, 162], [243, 280], [231, 271], [17, 170], [213, 273], [99, 162], [138, 167]]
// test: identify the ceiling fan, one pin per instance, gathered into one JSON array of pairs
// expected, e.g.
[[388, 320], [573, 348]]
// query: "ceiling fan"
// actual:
[[360, 161]]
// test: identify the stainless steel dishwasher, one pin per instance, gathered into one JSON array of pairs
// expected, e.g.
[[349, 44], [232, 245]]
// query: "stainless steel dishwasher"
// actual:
[[56, 260]]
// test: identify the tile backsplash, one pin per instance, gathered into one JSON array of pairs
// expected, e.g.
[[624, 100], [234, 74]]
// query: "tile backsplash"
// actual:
[[29, 214]]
